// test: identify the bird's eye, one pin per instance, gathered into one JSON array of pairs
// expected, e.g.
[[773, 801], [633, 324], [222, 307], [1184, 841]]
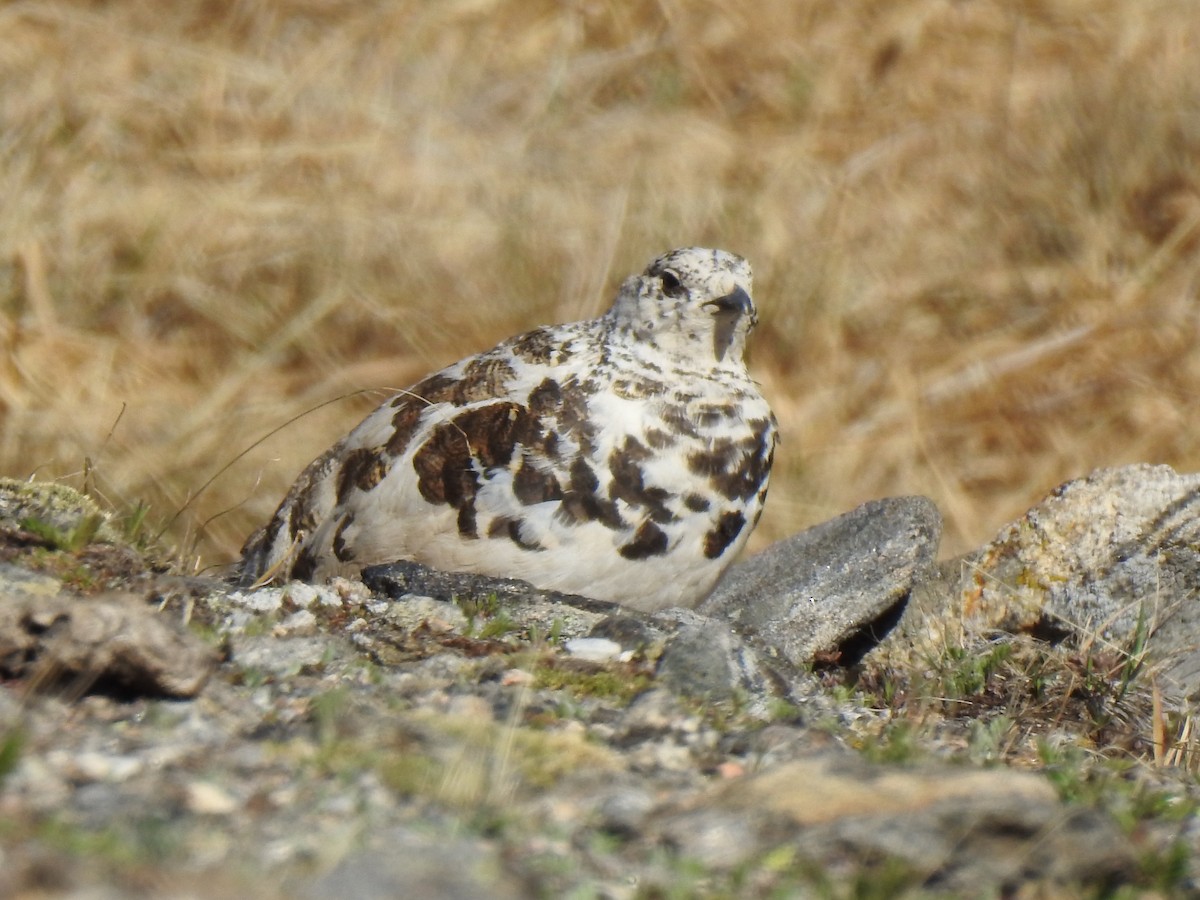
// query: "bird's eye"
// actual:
[[672, 286]]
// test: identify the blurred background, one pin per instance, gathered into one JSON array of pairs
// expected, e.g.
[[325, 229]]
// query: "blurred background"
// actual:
[[975, 227]]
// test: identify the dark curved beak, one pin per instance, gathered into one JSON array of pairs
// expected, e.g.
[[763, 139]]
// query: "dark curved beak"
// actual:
[[737, 301]]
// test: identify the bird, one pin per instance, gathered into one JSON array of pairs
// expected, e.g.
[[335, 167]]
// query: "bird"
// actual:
[[624, 458]]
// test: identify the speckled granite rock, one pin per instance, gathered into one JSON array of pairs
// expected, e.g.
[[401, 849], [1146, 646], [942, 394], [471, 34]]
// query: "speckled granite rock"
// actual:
[[55, 506], [1101, 558]]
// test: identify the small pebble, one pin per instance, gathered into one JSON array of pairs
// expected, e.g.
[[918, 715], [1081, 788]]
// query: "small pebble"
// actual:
[[593, 649], [102, 767], [513, 677], [470, 707], [301, 594], [205, 798], [731, 769], [300, 621], [264, 600]]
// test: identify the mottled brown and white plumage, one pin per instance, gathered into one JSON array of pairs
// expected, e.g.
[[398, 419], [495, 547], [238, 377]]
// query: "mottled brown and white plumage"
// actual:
[[624, 458]]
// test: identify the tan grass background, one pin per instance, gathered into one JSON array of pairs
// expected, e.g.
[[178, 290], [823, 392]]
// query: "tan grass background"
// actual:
[[975, 228]]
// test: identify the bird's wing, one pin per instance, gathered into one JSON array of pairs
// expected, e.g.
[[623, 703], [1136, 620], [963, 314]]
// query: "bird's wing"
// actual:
[[497, 419]]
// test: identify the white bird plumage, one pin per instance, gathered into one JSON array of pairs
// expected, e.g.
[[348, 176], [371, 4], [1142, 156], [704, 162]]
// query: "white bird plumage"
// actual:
[[624, 458]]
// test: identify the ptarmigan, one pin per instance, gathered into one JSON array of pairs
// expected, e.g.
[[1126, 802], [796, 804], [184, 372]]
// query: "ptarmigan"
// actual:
[[624, 458]]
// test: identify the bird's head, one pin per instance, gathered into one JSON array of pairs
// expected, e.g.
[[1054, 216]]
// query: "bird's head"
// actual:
[[692, 302]]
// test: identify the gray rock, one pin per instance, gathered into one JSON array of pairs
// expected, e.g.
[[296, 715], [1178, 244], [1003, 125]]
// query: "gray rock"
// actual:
[[414, 611], [624, 810], [110, 638], [25, 585], [406, 863], [959, 827], [697, 656], [811, 592], [702, 657], [651, 715], [567, 615], [992, 839], [48, 505], [403, 578], [282, 657]]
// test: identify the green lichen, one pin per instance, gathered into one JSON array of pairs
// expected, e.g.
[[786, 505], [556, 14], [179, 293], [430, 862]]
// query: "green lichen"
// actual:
[[59, 515], [607, 684]]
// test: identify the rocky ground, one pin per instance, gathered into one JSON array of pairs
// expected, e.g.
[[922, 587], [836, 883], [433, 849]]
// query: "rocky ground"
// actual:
[[845, 717]]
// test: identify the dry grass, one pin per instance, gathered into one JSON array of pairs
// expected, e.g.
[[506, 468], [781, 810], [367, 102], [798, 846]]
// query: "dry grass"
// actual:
[[976, 228]]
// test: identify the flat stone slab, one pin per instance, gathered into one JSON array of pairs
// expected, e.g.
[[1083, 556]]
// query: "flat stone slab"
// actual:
[[809, 593], [696, 655], [403, 577]]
